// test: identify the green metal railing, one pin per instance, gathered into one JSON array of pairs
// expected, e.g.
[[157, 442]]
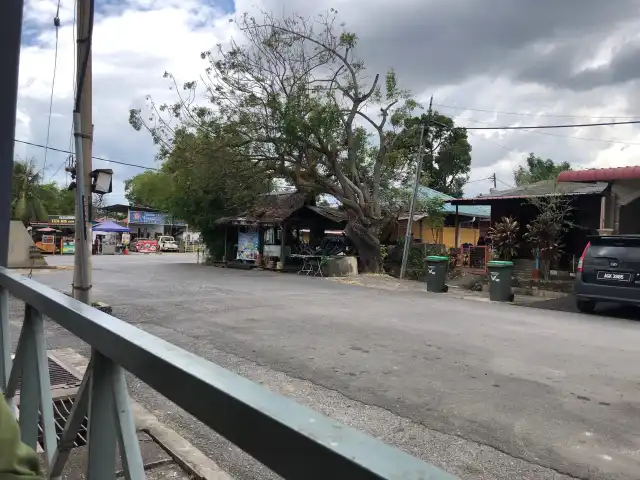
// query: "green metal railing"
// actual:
[[294, 441]]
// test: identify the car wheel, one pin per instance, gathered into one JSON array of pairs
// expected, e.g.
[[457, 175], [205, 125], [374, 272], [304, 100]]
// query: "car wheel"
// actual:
[[586, 306]]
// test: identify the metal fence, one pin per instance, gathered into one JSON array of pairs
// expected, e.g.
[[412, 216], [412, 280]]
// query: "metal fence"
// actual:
[[294, 441]]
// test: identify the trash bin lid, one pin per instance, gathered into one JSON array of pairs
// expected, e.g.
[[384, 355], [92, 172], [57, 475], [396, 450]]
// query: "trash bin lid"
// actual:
[[437, 258], [499, 263]]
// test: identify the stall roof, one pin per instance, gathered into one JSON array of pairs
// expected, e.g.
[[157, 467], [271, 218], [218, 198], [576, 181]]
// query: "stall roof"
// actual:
[[330, 213], [271, 208], [601, 174], [539, 189]]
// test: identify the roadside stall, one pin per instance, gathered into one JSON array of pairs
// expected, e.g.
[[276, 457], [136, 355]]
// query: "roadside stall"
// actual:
[[111, 237], [45, 240]]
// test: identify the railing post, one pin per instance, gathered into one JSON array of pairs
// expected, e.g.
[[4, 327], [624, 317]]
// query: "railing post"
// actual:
[[72, 426], [35, 392], [5, 340], [126, 429]]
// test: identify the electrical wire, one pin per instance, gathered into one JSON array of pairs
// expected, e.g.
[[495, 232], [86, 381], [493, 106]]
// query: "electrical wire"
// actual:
[[614, 142], [95, 158], [494, 142], [573, 125], [56, 24], [504, 183], [532, 114]]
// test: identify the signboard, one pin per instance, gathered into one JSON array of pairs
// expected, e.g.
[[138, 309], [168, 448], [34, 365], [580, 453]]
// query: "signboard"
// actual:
[[126, 238], [68, 248], [247, 245], [147, 246], [62, 220], [153, 218]]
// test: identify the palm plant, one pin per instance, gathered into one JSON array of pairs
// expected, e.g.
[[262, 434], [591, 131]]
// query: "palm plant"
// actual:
[[504, 237], [26, 193]]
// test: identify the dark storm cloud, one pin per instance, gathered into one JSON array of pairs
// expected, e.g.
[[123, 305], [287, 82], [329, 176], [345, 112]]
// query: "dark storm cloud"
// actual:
[[447, 42], [443, 42]]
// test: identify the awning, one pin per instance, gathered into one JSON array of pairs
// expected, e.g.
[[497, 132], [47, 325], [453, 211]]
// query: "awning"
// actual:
[[601, 175]]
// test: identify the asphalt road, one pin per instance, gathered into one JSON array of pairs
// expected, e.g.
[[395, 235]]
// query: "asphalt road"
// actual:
[[482, 390]]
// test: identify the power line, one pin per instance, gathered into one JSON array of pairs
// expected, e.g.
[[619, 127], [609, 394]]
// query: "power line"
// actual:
[[573, 125], [96, 158], [614, 142], [496, 143], [56, 24], [532, 114], [479, 180], [505, 183]]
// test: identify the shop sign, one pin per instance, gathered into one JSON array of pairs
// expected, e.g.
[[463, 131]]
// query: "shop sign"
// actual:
[[62, 220], [153, 218], [147, 246]]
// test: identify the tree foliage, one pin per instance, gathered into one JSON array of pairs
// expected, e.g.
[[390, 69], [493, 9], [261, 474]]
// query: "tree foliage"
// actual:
[[199, 181], [31, 200], [504, 237], [292, 98], [26, 192], [546, 230], [149, 189], [538, 169], [433, 208], [447, 158]]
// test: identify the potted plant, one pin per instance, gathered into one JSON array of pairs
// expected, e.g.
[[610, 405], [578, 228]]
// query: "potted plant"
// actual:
[[504, 238]]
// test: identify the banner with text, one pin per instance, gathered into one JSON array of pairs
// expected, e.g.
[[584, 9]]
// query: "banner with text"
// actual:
[[153, 218]]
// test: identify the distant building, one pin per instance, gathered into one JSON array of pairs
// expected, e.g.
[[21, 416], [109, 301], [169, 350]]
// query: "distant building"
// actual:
[[472, 220]]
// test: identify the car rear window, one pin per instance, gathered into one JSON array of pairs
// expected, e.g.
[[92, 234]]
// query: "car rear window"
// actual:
[[630, 253]]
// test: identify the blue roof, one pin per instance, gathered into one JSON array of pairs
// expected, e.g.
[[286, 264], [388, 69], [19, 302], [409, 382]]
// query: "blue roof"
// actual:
[[469, 210]]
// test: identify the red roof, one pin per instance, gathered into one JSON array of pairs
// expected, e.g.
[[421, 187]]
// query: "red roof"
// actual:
[[600, 175]]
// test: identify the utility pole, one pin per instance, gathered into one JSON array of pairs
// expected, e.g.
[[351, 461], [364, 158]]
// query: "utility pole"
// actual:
[[493, 177], [83, 133], [416, 186]]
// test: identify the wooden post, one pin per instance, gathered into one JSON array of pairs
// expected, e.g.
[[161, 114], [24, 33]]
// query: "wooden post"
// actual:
[[226, 230], [283, 235], [457, 237]]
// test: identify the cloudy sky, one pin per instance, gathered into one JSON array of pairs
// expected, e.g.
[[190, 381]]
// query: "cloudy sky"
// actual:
[[487, 63]]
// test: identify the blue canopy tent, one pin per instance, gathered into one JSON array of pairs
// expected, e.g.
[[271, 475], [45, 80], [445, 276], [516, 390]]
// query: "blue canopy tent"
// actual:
[[109, 226]]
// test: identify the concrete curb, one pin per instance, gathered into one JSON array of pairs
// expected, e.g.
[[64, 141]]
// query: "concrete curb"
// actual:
[[188, 457], [182, 452]]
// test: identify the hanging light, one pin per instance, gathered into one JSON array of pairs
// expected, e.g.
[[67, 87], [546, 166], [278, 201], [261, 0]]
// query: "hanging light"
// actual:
[[102, 181]]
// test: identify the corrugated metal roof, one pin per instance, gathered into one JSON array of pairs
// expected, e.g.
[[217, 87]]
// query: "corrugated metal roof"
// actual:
[[331, 213], [601, 174], [471, 211], [538, 189], [270, 208]]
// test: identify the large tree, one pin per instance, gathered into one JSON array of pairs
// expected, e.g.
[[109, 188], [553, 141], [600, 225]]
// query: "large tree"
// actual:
[[538, 169], [447, 157], [150, 189], [295, 99]]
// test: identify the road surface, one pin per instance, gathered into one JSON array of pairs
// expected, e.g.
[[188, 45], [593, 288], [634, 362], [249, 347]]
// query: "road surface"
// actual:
[[482, 390]]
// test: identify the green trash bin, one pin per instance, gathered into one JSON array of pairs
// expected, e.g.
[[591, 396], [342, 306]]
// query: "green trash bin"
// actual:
[[437, 268], [500, 281]]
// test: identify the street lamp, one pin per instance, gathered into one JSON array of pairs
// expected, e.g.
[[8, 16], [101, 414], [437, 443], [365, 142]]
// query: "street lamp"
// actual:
[[101, 181]]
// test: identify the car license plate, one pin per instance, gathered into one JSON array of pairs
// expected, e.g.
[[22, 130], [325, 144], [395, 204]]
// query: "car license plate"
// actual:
[[614, 276]]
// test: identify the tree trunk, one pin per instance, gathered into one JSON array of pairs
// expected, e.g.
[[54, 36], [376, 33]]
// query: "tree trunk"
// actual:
[[366, 242]]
